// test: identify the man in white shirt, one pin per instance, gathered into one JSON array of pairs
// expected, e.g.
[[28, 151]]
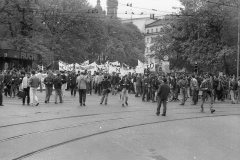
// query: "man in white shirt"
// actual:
[[194, 87], [40, 76], [26, 89]]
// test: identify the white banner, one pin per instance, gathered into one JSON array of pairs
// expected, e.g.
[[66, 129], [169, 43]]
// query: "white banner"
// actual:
[[166, 66]]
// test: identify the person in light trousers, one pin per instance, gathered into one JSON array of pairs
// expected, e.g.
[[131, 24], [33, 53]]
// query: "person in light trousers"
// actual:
[[125, 85], [34, 83]]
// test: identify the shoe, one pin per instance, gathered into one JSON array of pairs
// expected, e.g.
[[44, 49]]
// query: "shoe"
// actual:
[[105, 104], [23, 104], [212, 111], [1, 105], [157, 114], [37, 104], [126, 103], [61, 102], [100, 103], [45, 101], [84, 104], [182, 104], [123, 105], [80, 104], [164, 115], [56, 103]]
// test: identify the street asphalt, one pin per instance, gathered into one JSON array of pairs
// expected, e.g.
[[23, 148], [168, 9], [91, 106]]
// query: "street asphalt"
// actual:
[[99, 132]]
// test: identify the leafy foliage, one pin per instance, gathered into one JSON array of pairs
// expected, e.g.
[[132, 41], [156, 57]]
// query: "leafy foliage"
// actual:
[[68, 31], [203, 32]]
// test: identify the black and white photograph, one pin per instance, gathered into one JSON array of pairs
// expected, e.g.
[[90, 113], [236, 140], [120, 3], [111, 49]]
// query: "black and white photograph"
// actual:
[[119, 80]]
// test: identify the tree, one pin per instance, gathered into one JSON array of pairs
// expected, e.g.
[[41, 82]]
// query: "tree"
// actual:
[[200, 33]]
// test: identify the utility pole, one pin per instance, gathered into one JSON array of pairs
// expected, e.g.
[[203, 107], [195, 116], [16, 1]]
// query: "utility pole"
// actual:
[[238, 52]]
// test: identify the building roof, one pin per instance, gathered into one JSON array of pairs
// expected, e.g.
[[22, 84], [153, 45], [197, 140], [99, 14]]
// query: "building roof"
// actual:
[[159, 22]]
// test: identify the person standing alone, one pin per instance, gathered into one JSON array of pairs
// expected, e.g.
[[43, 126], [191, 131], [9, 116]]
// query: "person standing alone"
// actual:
[[162, 94], [82, 88]]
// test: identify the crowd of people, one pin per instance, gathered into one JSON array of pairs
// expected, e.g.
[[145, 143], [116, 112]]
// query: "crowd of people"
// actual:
[[150, 87]]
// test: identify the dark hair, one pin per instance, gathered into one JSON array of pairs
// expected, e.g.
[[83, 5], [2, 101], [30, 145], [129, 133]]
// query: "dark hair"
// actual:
[[33, 72], [164, 80]]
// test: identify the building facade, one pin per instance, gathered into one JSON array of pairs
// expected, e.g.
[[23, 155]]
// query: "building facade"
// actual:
[[112, 7], [153, 30]]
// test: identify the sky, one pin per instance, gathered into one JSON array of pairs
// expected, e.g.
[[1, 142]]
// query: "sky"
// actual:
[[142, 8]]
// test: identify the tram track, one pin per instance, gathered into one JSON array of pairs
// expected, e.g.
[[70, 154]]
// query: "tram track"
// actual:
[[68, 117], [114, 130]]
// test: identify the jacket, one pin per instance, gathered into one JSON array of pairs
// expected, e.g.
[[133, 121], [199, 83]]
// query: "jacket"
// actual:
[[57, 82], [34, 82], [48, 81], [82, 82], [163, 91]]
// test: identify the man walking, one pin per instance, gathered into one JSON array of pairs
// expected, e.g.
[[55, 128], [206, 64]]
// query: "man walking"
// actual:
[[26, 88], [34, 83], [194, 88], [58, 87], [48, 81], [207, 90], [1, 88], [82, 88], [106, 85], [125, 84], [183, 83], [162, 94]]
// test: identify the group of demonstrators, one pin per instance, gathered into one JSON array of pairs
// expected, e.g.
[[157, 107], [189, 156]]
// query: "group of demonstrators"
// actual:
[[150, 87]]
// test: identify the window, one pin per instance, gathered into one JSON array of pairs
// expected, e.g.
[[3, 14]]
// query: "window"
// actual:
[[147, 40], [151, 30], [156, 29], [147, 30]]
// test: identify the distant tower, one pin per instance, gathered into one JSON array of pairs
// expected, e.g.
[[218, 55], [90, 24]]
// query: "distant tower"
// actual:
[[112, 7], [99, 7]]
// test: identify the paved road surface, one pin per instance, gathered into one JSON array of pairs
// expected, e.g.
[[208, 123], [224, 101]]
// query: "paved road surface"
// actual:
[[98, 132]]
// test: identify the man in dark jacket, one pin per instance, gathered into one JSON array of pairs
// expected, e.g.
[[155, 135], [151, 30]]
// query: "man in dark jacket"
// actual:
[[72, 83], [48, 81], [162, 94], [106, 85], [1, 88], [58, 87]]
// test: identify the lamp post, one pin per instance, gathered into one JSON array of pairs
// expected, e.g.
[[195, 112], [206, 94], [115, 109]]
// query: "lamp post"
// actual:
[[238, 44]]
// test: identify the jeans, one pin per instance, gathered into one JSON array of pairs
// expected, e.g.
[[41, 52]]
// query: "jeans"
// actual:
[[48, 93], [1, 97], [205, 96], [26, 94], [124, 96], [195, 96], [104, 96], [89, 87], [160, 102], [33, 96], [58, 93], [184, 95], [82, 96], [64, 87], [145, 93], [232, 94]]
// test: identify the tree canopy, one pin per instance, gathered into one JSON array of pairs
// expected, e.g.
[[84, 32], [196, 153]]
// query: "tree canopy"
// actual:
[[203, 32], [71, 31]]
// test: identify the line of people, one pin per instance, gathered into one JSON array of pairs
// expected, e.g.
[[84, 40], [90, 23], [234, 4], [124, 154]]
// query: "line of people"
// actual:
[[147, 86]]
